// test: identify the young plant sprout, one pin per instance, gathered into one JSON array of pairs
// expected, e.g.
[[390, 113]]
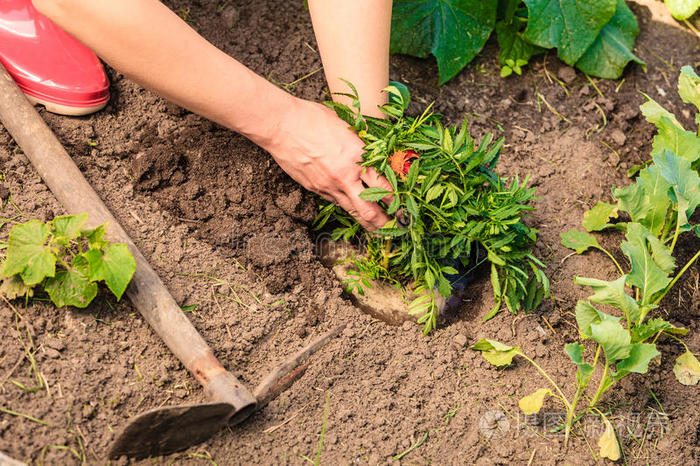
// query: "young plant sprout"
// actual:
[[658, 206]]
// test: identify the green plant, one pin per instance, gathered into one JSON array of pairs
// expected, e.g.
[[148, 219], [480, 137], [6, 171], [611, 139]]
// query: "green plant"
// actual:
[[449, 207], [595, 36], [682, 9], [66, 260], [659, 205]]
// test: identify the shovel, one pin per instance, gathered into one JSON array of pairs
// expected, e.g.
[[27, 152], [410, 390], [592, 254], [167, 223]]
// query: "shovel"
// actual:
[[169, 429]]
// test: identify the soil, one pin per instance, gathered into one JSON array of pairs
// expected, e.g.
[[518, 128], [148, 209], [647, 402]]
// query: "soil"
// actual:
[[229, 234]]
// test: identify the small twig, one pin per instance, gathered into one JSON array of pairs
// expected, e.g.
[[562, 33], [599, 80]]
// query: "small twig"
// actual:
[[291, 369], [270, 430], [691, 27], [548, 325], [552, 109]]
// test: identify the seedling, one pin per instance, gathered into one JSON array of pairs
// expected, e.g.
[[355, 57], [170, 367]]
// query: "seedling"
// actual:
[[64, 259], [451, 210], [659, 205]]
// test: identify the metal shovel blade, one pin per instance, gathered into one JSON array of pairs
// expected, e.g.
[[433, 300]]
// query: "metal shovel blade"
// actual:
[[171, 429]]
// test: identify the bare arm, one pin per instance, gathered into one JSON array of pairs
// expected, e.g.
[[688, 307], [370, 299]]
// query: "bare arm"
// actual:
[[151, 45]]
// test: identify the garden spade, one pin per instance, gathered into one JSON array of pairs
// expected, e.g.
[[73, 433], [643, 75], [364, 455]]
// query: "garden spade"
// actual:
[[168, 429]]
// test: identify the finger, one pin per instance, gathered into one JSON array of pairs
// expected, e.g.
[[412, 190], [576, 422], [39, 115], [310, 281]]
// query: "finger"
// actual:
[[369, 212], [344, 201], [373, 179]]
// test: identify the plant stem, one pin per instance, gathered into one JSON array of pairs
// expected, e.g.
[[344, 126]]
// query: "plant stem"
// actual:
[[675, 279], [385, 253], [601, 386], [622, 272], [549, 379], [675, 235]]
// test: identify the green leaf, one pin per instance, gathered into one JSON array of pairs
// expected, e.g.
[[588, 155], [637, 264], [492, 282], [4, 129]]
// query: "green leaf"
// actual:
[[96, 236], [398, 93], [114, 264], [72, 287], [579, 241], [612, 49], [587, 315], [613, 294], [646, 200], [575, 352], [28, 254], [570, 26], [67, 228], [598, 218], [687, 369], [614, 339], [652, 327], [685, 180], [454, 31], [676, 139], [644, 273], [390, 232], [374, 194], [638, 359], [682, 9], [532, 403], [653, 112], [514, 48], [496, 353], [688, 80]]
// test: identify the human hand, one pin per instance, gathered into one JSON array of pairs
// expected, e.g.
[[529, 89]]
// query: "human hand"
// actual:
[[321, 153]]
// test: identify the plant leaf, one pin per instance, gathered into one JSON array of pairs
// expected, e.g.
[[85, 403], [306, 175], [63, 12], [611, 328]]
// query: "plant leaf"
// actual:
[[587, 315], [579, 241], [644, 273], [687, 369], [575, 352], [638, 359], [608, 56], [682, 9], [28, 254], [683, 178], [532, 403], [13, 287], [672, 137], [454, 31], [608, 444], [72, 287], [496, 353], [374, 194], [599, 216], [96, 236], [688, 80], [612, 293], [570, 26], [647, 199], [114, 264], [67, 228], [512, 44], [614, 339]]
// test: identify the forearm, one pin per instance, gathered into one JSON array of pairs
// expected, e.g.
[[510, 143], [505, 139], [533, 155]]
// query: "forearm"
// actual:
[[152, 46], [353, 39]]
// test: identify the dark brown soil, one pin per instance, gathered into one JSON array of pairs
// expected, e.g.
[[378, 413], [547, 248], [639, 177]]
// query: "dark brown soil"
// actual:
[[228, 232]]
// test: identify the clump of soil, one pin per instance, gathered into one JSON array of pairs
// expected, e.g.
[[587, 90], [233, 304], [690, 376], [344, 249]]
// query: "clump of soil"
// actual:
[[228, 232]]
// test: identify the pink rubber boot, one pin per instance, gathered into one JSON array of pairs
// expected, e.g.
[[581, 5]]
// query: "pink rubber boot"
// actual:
[[50, 66]]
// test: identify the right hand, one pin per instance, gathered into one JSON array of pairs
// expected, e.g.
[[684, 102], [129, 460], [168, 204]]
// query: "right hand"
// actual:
[[319, 151]]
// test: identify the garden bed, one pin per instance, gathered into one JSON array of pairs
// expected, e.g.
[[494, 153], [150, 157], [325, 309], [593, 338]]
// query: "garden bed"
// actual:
[[229, 234]]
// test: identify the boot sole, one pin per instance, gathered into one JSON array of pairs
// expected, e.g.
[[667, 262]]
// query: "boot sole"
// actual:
[[65, 109]]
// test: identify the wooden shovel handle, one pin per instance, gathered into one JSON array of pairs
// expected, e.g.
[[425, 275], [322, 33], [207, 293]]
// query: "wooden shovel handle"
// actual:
[[146, 291]]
